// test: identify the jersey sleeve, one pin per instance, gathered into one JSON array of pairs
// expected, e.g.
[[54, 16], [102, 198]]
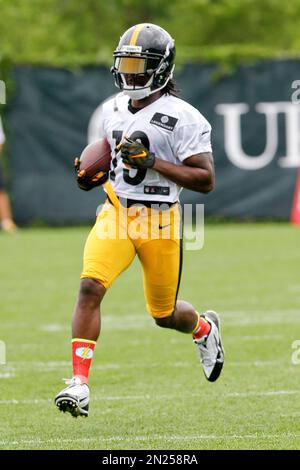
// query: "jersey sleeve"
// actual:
[[191, 139], [2, 136]]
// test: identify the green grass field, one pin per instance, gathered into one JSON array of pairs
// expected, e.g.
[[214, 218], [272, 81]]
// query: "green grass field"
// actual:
[[148, 389]]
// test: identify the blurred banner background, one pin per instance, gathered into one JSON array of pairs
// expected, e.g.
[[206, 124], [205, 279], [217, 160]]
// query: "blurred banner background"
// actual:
[[237, 61]]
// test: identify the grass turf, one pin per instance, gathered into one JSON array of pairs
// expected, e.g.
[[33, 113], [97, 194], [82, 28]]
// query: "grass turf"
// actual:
[[148, 389]]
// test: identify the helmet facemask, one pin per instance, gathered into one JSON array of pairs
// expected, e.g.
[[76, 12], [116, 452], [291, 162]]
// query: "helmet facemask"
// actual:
[[139, 74]]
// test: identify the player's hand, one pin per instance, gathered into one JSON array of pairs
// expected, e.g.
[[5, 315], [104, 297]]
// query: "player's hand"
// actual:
[[86, 184], [136, 155]]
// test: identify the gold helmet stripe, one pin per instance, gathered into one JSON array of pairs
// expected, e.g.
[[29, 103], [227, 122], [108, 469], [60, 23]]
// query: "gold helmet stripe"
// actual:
[[135, 33]]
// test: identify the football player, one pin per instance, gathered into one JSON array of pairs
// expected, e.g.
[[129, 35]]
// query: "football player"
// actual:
[[161, 145]]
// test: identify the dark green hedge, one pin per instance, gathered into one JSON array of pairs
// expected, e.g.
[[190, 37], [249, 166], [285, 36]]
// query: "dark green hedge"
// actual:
[[72, 33]]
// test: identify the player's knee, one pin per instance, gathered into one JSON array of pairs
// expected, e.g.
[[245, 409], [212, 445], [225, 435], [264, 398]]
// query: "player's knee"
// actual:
[[91, 290], [166, 322]]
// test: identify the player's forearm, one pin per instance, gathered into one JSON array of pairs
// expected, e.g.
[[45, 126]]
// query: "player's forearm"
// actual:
[[195, 179]]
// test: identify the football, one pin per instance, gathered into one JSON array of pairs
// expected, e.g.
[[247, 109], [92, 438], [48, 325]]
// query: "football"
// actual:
[[95, 157]]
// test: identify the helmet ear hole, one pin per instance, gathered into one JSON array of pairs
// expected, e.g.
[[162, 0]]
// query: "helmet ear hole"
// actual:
[[162, 67]]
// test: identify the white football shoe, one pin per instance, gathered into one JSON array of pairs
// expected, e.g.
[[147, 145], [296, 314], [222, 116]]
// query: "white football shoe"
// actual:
[[75, 398], [210, 348]]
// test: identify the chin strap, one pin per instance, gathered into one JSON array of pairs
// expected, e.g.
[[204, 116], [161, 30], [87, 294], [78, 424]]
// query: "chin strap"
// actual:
[[137, 94], [144, 92]]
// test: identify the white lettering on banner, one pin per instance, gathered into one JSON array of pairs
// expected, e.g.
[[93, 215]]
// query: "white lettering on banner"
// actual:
[[295, 98], [233, 139], [233, 135], [292, 158]]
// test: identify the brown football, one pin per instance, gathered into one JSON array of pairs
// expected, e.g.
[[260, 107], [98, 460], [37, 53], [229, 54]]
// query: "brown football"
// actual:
[[94, 158]]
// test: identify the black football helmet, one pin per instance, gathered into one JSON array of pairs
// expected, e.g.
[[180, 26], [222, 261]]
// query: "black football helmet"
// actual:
[[143, 60]]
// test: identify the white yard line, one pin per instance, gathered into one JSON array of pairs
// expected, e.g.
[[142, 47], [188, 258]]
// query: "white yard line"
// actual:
[[158, 437], [269, 393], [294, 414], [62, 364], [46, 365], [37, 401], [294, 288], [200, 437], [62, 367], [54, 328], [141, 319], [271, 363], [258, 337], [34, 401], [7, 375], [261, 313]]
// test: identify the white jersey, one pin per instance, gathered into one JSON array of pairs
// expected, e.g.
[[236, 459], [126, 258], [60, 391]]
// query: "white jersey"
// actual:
[[169, 127], [2, 136]]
